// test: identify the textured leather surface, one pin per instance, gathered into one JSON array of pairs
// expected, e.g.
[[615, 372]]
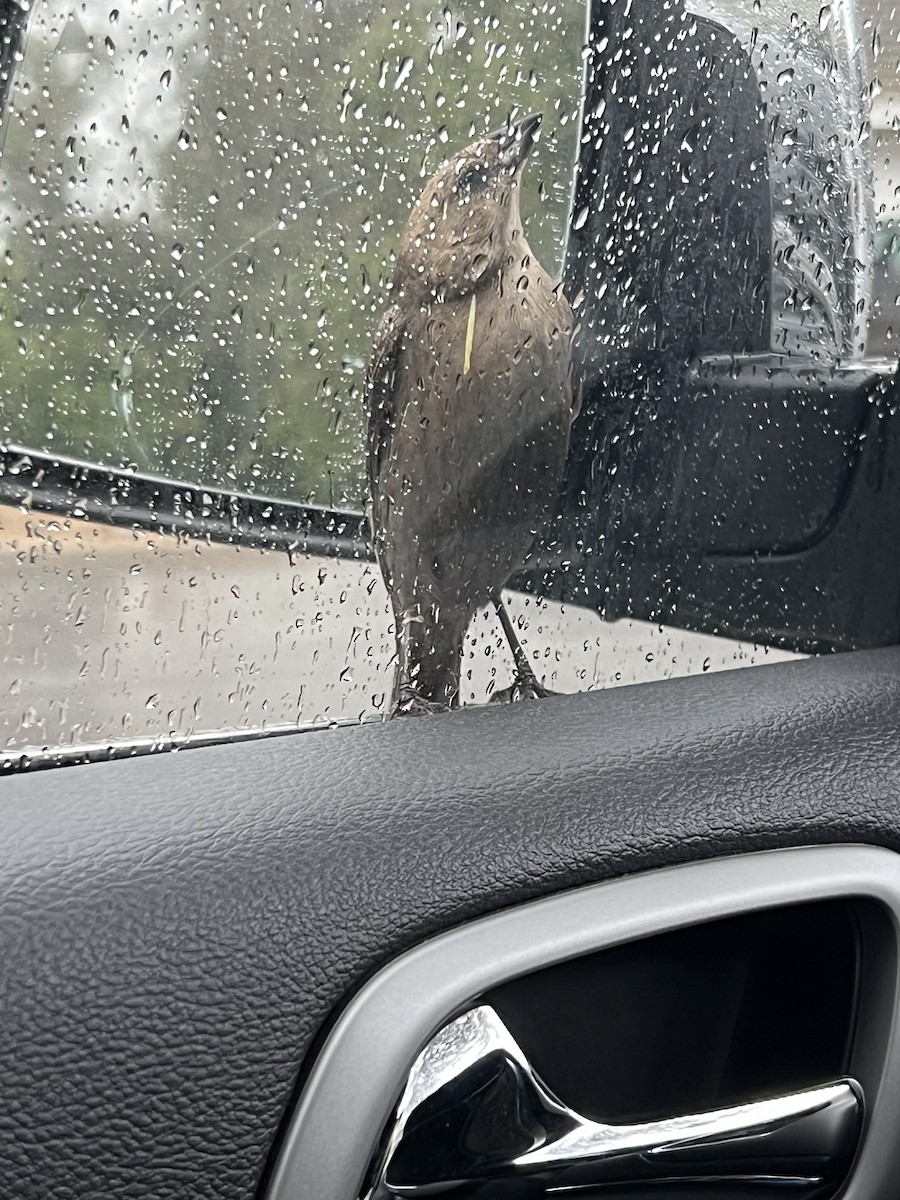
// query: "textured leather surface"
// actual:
[[175, 930]]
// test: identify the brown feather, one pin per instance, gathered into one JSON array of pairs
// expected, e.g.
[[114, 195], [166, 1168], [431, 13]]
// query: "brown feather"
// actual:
[[463, 465]]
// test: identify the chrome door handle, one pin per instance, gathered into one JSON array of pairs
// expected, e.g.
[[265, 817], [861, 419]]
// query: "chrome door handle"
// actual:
[[475, 1113]]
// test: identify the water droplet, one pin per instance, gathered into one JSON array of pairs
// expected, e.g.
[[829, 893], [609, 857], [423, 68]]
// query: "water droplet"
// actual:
[[403, 72]]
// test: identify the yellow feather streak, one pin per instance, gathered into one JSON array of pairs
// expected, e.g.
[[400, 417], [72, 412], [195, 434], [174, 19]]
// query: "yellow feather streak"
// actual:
[[470, 337]]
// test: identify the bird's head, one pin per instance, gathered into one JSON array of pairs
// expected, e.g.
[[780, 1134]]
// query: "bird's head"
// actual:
[[462, 227]]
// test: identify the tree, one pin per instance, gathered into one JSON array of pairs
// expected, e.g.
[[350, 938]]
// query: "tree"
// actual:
[[201, 208]]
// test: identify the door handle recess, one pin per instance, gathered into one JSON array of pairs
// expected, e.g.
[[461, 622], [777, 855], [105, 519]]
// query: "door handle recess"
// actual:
[[475, 1119]]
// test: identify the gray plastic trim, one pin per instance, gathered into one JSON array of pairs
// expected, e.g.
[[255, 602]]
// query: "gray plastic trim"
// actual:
[[363, 1065]]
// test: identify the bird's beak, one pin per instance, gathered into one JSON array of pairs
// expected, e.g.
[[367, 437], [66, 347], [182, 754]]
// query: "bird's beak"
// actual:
[[516, 140]]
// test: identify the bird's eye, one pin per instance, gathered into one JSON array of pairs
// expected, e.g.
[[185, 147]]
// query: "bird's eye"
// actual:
[[473, 179]]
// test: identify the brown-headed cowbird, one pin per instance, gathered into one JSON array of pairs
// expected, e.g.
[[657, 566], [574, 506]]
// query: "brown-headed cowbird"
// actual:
[[469, 410]]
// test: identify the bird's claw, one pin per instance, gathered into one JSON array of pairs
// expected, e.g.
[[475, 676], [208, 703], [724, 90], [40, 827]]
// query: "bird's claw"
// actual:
[[523, 687], [411, 704]]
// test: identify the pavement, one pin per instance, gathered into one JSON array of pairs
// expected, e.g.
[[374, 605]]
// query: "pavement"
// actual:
[[111, 634]]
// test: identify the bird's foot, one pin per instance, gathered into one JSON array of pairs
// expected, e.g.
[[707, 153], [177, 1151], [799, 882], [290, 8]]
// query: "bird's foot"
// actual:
[[411, 703], [524, 687]]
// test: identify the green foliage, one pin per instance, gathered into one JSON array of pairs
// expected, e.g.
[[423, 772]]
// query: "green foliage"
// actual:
[[199, 223]]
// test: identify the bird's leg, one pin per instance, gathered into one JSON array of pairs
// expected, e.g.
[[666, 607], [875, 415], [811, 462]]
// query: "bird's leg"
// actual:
[[525, 685], [410, 699], [430, 653]]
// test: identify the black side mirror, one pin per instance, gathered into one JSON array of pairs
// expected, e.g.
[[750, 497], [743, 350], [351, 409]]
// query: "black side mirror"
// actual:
[[735, 465]]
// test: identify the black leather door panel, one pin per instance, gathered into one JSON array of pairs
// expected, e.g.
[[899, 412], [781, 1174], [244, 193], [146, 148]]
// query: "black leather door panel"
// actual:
[[177, 930]]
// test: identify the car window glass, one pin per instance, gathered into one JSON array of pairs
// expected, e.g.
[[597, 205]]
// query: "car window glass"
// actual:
[[202, 210]]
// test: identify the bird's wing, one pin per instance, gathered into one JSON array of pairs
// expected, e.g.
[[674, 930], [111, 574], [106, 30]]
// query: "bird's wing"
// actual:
[[382, 401]]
